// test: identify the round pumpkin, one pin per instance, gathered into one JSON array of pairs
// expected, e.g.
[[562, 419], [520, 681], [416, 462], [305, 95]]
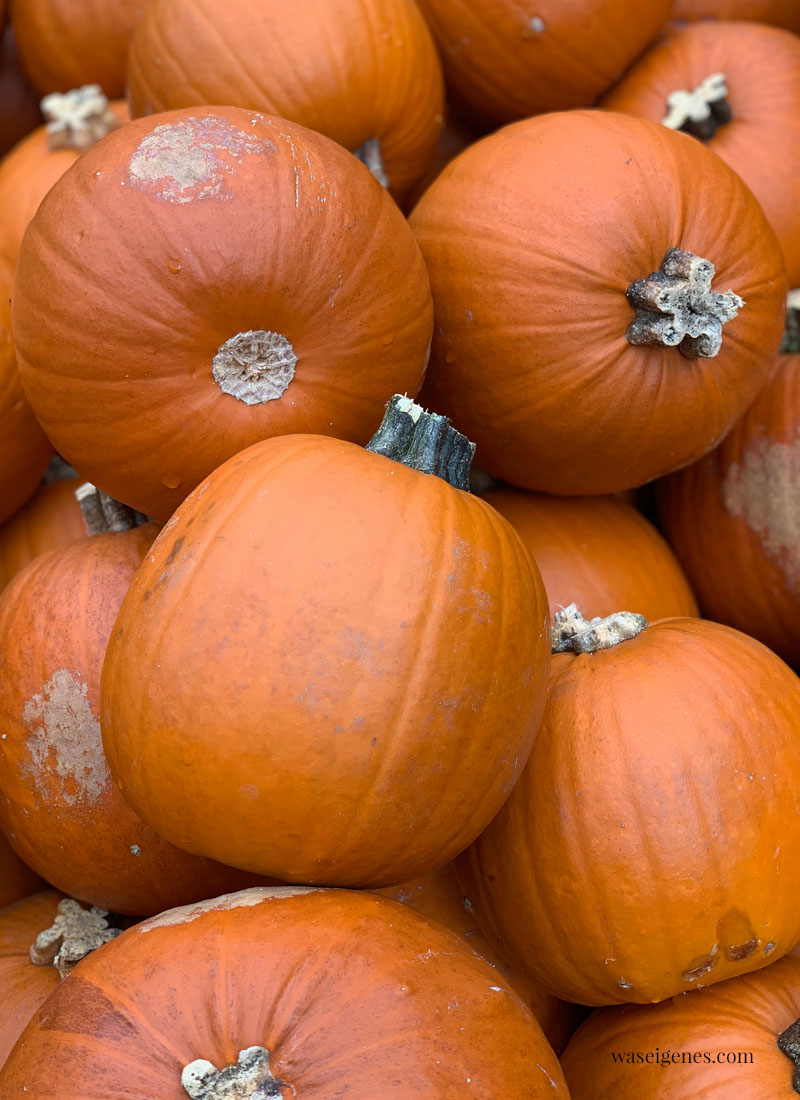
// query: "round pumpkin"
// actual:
[[721, 1041], [743, 497], [269, 286], [363, 72], [17, 880], [25, 985], [736, 88], [648, 848], [781, 13], [377, 637], [504, 61], [597, 552], [566, 299], [19, 104], [324, 991], [63, 44], [51, 518]]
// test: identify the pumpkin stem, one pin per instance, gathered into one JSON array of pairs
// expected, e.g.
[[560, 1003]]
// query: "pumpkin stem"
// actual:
[[78, 119], [102, 513], [572, 633], [73, 934], [701, 112], [676, 307], [789, 1044], [59, 470], [423, 441], [249, 1079], [790, 345], [370, 154]]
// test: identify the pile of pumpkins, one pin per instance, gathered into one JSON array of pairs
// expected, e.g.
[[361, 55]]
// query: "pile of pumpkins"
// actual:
[[387, 389]]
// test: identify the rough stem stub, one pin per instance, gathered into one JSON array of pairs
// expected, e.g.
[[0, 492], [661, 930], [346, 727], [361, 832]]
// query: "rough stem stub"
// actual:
[[249, 1079], [676, 307], [789, 1044], [571, 633], [73, 934], [790, 344], [423, 441], [101, 513], [255, 366], [370, 154], [78, 119], [701, 112]]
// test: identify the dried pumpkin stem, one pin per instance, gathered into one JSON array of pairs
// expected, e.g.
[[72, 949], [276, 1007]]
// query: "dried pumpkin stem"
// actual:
[[101, 513], [571, 633], [73, 934], [370, 154], [423, 441], [701, 112], [790, 345], [789, 1044], [78, 119], [249, 1079], [676, 307]]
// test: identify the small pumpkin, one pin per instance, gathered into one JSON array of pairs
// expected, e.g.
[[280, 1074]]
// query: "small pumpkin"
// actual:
[[378, 638], [25, 986], [17, 880], [736, 88], [325, 991], [597, 552], [565, 306], [780, 13], [270, 285], [19, 104], [51, 518]]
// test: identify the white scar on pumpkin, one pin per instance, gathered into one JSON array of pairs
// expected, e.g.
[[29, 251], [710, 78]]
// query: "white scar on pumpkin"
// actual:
[[185, 914]]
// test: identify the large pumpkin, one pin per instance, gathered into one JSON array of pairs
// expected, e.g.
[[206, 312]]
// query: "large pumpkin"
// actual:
[[51, 518], [17, 880], [571, 258], [743, 497], [736, 88], [345, 660], [781, 13], [597, 552], [504, 60], [649, 847], [270, 285], [282, 993], [363, 72]]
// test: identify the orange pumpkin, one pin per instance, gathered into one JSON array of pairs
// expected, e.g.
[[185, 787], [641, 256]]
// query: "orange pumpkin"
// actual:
[[504, 61], [736, 87], [649, 846], [25, 986], [721, 1041], [17, 880], [597, 552], [19, 104], [363, 72], [743, 498], [378, 639], [781, 13], [50, 519], [270, 286], [322, 991], [565, 301], [63, 44]]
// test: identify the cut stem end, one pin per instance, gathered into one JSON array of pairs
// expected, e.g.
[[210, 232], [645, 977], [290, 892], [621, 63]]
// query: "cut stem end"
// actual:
[[423, 441]]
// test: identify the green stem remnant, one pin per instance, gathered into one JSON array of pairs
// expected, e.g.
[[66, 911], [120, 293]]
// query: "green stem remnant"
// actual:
[[423, 441]]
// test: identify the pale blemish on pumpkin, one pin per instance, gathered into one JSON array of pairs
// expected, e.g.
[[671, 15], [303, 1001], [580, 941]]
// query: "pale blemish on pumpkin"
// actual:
[[547, 1075], [763, 491], [65, 741], [185, 914]]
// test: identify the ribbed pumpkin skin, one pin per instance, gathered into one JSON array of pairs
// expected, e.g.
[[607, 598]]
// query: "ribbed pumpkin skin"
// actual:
[[781, 13], [266, 226], [25, 986], [652, 834], [762, 142], [743, 497], [24, 449], [60, 807], [63, 44], [350, 994], [51, 518], [742, 1016], [501, 66], [354, 70], [530, 256], [19, 104], [17, 880], [346, 662], [26, 175], [438, 897], [597, 552]]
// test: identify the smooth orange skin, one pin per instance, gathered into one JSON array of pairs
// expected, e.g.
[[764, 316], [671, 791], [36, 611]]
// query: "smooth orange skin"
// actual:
[[743, 497], [653, 832], [285, 232], [781, 13], [499, 68], [346, 664], [25, 986], [354, 70], [62, 812], [348, 992], [530, 255], [762, 142], [63, 44], [438, 897], [744, 1015], [17, 880], [51, 518], [19, 104], [597, 552]]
